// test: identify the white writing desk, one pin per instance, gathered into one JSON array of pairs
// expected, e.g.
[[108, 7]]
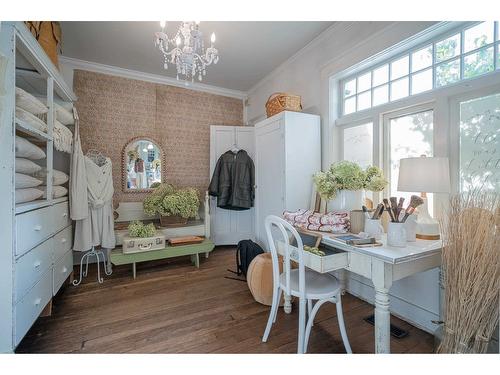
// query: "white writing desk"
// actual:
[[382, 265]]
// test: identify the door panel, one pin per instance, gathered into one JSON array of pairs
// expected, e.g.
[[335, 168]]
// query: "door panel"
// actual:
[[270, 190], [229, 227]]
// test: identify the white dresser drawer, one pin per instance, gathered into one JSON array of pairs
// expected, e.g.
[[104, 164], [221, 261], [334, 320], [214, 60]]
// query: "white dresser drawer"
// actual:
[[60, 213], [29, 308], [62, 243], [30, 267], [62, 269], [32, 228]]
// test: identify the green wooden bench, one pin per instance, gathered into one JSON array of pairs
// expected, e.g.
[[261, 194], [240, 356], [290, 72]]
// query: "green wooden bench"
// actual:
[[205, 247]]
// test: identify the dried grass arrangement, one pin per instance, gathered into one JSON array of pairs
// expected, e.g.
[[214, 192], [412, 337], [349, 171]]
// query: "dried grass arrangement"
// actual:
[[471, 260]]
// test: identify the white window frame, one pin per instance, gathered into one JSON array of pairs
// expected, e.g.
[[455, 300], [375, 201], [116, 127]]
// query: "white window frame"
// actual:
[[451, 31]]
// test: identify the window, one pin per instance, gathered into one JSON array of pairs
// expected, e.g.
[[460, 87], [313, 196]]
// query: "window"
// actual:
[[409, 135], [358, 144], [448, 59], [480, 143]]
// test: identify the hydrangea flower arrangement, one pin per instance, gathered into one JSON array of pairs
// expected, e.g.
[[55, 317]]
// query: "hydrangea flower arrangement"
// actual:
[[346, 175], [165, 200], [139, 229]]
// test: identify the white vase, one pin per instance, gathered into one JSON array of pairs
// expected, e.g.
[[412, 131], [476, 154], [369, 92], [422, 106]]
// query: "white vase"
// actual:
[[347, 200]]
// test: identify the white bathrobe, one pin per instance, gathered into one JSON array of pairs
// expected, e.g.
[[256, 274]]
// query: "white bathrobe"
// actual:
[[98, 227]]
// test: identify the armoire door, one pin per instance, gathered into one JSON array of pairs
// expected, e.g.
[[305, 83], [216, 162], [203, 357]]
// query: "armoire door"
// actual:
[[229, 227], [269, 175]]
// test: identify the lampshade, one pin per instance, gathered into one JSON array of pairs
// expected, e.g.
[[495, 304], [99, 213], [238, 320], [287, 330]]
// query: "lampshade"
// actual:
[[424, 174]]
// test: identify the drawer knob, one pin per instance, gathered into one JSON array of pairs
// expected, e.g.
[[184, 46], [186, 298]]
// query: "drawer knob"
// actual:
[[37, 301], [65, 269], [63, 240], [37, 264], [65, 214], [38, 228]]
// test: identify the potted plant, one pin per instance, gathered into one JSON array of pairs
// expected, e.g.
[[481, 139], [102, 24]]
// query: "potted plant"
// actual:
[[344, 184], [174, 206]]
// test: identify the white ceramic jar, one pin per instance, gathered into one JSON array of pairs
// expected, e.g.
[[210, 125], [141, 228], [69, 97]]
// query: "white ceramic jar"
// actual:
[[396, 234], [374, 228]]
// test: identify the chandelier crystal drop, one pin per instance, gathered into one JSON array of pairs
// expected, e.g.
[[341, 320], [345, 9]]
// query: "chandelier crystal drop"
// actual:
[[186, 50]]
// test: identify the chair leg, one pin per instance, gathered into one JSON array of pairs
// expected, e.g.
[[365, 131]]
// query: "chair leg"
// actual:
[[343, 333], [277, 304], [309, 308], [272, 315], [302, 325], [310, 321]]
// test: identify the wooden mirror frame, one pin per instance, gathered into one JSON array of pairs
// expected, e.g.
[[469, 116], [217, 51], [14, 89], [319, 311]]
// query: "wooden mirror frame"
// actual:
[[125, 189]]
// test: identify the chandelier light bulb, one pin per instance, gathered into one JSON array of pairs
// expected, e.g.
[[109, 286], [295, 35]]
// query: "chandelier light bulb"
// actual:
[[197, 22], [150, 146], [178, 41], [163, 24], [212, 38]]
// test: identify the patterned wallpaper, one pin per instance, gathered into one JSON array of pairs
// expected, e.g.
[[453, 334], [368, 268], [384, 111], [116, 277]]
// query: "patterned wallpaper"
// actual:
[[114, 110]]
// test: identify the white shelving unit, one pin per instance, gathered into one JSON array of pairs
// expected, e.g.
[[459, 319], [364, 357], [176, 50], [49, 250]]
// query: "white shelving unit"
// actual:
[[35, 257]]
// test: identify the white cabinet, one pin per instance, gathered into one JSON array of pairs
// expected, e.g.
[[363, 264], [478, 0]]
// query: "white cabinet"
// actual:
[[287, 154], [228, 227]]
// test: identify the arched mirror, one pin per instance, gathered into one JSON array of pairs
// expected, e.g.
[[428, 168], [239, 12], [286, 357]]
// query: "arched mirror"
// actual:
[[142, 165]]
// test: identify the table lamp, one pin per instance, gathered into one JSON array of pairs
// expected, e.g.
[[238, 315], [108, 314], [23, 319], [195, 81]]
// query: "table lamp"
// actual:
[[427, 175]]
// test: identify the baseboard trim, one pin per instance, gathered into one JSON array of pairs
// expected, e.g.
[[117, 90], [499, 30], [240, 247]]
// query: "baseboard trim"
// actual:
[[408, 312]]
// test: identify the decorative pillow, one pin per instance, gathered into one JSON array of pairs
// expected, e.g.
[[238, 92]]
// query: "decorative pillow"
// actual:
[[26, 149], [57, 191], [63, 138], [26, 166], [27, 195], [25, 181], [58, 177], [29, 103], [334, 222], [31, 119], [63, 115]]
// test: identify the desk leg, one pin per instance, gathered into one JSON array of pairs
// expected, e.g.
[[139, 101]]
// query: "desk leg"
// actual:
[[287, 306], [382, 280], [134, 271]]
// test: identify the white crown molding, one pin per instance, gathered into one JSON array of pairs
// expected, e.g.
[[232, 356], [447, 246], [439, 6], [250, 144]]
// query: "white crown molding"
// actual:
[[335, 29], [148, 77]]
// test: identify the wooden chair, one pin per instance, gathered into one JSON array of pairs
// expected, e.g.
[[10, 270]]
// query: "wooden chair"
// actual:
[[303, 283]]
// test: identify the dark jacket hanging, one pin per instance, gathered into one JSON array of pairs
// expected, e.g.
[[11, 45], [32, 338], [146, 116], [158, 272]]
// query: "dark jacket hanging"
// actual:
[[233, 181]]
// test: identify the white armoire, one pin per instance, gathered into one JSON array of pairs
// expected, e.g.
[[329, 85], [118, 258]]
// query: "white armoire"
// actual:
[[229, 227], [287, 154]]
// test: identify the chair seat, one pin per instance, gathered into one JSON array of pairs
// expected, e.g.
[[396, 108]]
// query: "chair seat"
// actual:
[[318, 285]]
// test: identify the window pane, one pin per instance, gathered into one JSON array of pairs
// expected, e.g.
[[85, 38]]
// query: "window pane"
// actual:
[[421, 59], [364, 100], [365, 82], [478, 36], [498, 55], [381, 75], [478, 63], [381, 95], [358, 144], [399, 68], [399, 89], [350, 105], [350, 88], [410, 136], [448, 72], [421, 82], [448, 48], [479, 143]]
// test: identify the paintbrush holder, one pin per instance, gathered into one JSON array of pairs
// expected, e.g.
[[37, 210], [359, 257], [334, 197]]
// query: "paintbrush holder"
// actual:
[[374, 228], [396, 234]]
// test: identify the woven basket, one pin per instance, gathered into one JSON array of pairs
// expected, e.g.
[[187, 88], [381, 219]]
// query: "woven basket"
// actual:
[[48, 35], [279, 102]]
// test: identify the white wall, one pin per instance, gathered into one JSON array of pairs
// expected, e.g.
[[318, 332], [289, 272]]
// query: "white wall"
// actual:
[[307, 73]]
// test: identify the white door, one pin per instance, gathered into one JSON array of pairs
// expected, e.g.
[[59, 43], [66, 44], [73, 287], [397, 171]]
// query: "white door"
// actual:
[[269, 175], [229, 227]]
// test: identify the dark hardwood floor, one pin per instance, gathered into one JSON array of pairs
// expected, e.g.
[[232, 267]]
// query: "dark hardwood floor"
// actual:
[[173, 307]]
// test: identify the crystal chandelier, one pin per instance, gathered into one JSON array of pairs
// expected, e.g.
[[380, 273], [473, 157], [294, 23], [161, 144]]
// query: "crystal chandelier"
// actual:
[[187, 50]]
